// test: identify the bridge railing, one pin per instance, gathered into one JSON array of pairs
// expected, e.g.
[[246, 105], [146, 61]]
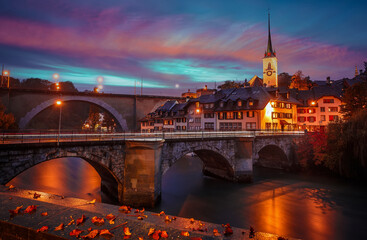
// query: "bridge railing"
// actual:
[[37, 137]]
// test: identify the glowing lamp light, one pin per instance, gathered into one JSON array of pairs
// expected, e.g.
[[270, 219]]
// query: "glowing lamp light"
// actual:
[[6, 73], [310, 111], [197, 110], [58, 102], [268, 110], [100, 79], [272, 103], [87, 125], [177, 86], [57, 84], [313, 103], [56, 76], [100, 87], [57, 87]]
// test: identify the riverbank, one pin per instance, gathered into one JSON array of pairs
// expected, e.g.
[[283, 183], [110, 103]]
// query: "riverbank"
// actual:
[[52, 210]]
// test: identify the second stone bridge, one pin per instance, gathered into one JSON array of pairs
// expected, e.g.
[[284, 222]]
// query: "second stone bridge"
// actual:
[[131, 171]]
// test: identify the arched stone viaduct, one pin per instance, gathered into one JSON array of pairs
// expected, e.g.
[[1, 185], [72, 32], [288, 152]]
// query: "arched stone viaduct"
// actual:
[[25, 104], [131, 171]]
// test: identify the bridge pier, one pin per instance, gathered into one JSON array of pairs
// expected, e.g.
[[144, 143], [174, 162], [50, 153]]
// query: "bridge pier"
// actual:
[[142, 177], [243, 168]]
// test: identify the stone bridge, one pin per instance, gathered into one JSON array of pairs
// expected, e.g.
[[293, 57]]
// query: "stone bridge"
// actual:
[[25, 104], [131, 171]]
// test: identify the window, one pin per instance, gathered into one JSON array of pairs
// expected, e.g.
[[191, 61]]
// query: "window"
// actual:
[[211, 105], [288, 105], [323, 118], [230, 126], [178, 120], [333, 109], [191, 112], [239, 115], [229, 115], [197, 120], [208, 115], [251, 103], [250, 114], [311, 119], [184, 120], [267, 126], [197, 104], [301, 119], [250, 125], [333, 118], [275, 125], [178, 128], [221, 104], [197, 128], [289, 115], [209, 126], [183, 127], [191, 120], [322, 109], [328, 100], [311, 110], [274, 115], [239, 103], [220, 115]]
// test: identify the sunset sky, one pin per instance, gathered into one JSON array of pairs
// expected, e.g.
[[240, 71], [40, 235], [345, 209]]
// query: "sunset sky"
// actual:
[[173, 45]]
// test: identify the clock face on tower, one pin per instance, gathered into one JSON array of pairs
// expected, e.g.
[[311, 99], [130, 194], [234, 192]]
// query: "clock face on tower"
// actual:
[[269, 73]]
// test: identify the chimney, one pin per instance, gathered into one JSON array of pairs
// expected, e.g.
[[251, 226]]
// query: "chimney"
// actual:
[[328, 80], [277, 92]]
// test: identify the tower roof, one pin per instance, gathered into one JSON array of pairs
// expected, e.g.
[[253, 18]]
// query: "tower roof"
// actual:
[[269, 51]]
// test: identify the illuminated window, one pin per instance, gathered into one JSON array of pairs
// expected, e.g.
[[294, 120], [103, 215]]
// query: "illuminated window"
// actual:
[[239, 103], [328, 100]]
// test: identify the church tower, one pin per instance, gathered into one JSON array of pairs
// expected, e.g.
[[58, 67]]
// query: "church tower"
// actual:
[[270, 63]]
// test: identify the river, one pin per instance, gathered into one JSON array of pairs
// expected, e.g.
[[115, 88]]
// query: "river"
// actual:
[[296, 205]]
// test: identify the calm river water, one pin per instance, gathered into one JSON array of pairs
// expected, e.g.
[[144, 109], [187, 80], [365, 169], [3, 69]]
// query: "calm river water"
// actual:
[[306, 207]]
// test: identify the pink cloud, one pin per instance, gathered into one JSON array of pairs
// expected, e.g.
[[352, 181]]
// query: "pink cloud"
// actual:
[[112, 33]]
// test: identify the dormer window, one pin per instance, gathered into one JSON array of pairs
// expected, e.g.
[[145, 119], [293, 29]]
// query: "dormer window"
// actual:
[[251, 103], [239, 103], [221, 104]]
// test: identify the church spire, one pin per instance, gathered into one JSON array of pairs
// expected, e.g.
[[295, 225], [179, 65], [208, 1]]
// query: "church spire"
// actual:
[[269, 51]]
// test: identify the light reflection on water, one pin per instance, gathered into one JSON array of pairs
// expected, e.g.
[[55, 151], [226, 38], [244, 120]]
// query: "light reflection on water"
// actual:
[[64, 176], [305, 207]]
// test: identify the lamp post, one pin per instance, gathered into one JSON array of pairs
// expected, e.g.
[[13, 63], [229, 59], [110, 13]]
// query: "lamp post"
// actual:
[[59, 103], [56, 77], [7, 73]]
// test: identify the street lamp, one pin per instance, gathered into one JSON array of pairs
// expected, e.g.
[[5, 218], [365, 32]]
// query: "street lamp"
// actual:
[[7, 73], [59, 103], [56, 77]]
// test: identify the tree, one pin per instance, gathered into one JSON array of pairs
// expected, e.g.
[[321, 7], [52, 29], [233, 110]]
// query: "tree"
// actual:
[[35, 83], [64, 86], [108, 121], [7, 121], [355, 99], [300, 82], [284, 79], [94, 116], [230, 84]]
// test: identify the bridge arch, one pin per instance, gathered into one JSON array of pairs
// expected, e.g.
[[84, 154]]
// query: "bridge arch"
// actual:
[[216, 162], [24, 121], [272, 156], [103, 160]]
